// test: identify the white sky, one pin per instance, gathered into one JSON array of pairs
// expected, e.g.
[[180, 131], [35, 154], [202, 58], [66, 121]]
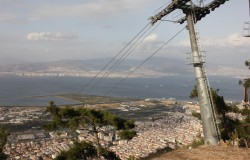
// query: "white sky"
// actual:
[[48, 30]]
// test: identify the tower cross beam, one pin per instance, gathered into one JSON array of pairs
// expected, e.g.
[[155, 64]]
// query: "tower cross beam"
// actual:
[[199, 12], [175, 4]]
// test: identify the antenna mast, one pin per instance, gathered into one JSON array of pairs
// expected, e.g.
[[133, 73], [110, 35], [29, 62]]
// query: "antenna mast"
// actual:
[[193, 14]]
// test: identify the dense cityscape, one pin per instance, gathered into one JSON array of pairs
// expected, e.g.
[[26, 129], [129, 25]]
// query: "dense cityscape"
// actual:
[[157, 131]]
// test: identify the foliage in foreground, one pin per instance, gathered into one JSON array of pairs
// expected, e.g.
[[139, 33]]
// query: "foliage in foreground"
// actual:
[[74, 118], [81, 150], [246, 82], [197, 115], [197, 143], [247, 63], [85, 151], [3, 139], [230, 128], [127, 134]]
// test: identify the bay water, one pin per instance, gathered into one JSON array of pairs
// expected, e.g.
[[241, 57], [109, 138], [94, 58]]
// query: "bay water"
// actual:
[[38, 91]]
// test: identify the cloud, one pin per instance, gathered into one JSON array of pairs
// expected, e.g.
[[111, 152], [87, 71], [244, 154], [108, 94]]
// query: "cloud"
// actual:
[[151, 43], [238, 40], [9, 9], [94, 9], [7, 16], [48, 36], [151, 38], [7, 2], [232, 50], [233, 40]]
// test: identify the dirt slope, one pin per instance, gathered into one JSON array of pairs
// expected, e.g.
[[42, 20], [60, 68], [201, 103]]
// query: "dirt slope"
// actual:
[[207, 153]]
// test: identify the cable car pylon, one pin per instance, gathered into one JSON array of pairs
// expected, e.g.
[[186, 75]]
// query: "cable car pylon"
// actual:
[[246, 25], [195, 13]]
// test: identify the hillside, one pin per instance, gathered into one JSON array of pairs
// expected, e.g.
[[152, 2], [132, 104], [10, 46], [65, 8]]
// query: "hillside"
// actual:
[[155, 67], [205, 152], [156, 63]]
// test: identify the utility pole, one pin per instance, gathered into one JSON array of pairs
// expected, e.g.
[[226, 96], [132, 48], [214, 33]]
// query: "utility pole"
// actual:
[[193, 14]]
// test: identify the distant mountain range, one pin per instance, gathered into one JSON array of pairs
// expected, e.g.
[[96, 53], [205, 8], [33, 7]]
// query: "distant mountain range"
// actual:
[[155, 67]]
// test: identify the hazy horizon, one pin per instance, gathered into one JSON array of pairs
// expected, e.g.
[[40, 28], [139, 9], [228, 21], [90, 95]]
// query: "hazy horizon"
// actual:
[[41, 31]]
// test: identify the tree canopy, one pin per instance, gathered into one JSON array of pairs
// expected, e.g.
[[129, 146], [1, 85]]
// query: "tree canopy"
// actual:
[[4, 133], [228, 125], [246, 83], [74, 118], [82, 150], [69, 117], [247, 63]]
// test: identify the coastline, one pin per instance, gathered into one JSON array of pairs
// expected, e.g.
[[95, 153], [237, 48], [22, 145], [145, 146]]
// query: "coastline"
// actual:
[[26, 91]]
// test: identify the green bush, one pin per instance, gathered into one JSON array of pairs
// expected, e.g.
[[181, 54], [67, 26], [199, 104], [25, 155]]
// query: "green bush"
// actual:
[[197, 143]]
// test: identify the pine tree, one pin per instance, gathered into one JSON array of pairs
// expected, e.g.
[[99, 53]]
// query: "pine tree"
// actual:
[[3, 139], [75, 118]]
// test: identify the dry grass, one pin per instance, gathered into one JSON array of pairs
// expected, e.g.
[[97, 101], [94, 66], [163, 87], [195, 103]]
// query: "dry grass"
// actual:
[[206, 152]]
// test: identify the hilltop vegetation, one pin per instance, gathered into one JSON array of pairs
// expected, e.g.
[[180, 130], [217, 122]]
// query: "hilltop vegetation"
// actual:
[[230, 128], [78, 118]]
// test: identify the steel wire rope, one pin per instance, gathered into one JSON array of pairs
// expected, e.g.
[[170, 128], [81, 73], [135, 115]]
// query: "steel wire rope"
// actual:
[[111, 69], [162, 6], [147, 59], [93, 78], [124, 56]]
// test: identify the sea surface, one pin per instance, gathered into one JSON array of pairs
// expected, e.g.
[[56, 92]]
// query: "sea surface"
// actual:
[[38, 91]]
